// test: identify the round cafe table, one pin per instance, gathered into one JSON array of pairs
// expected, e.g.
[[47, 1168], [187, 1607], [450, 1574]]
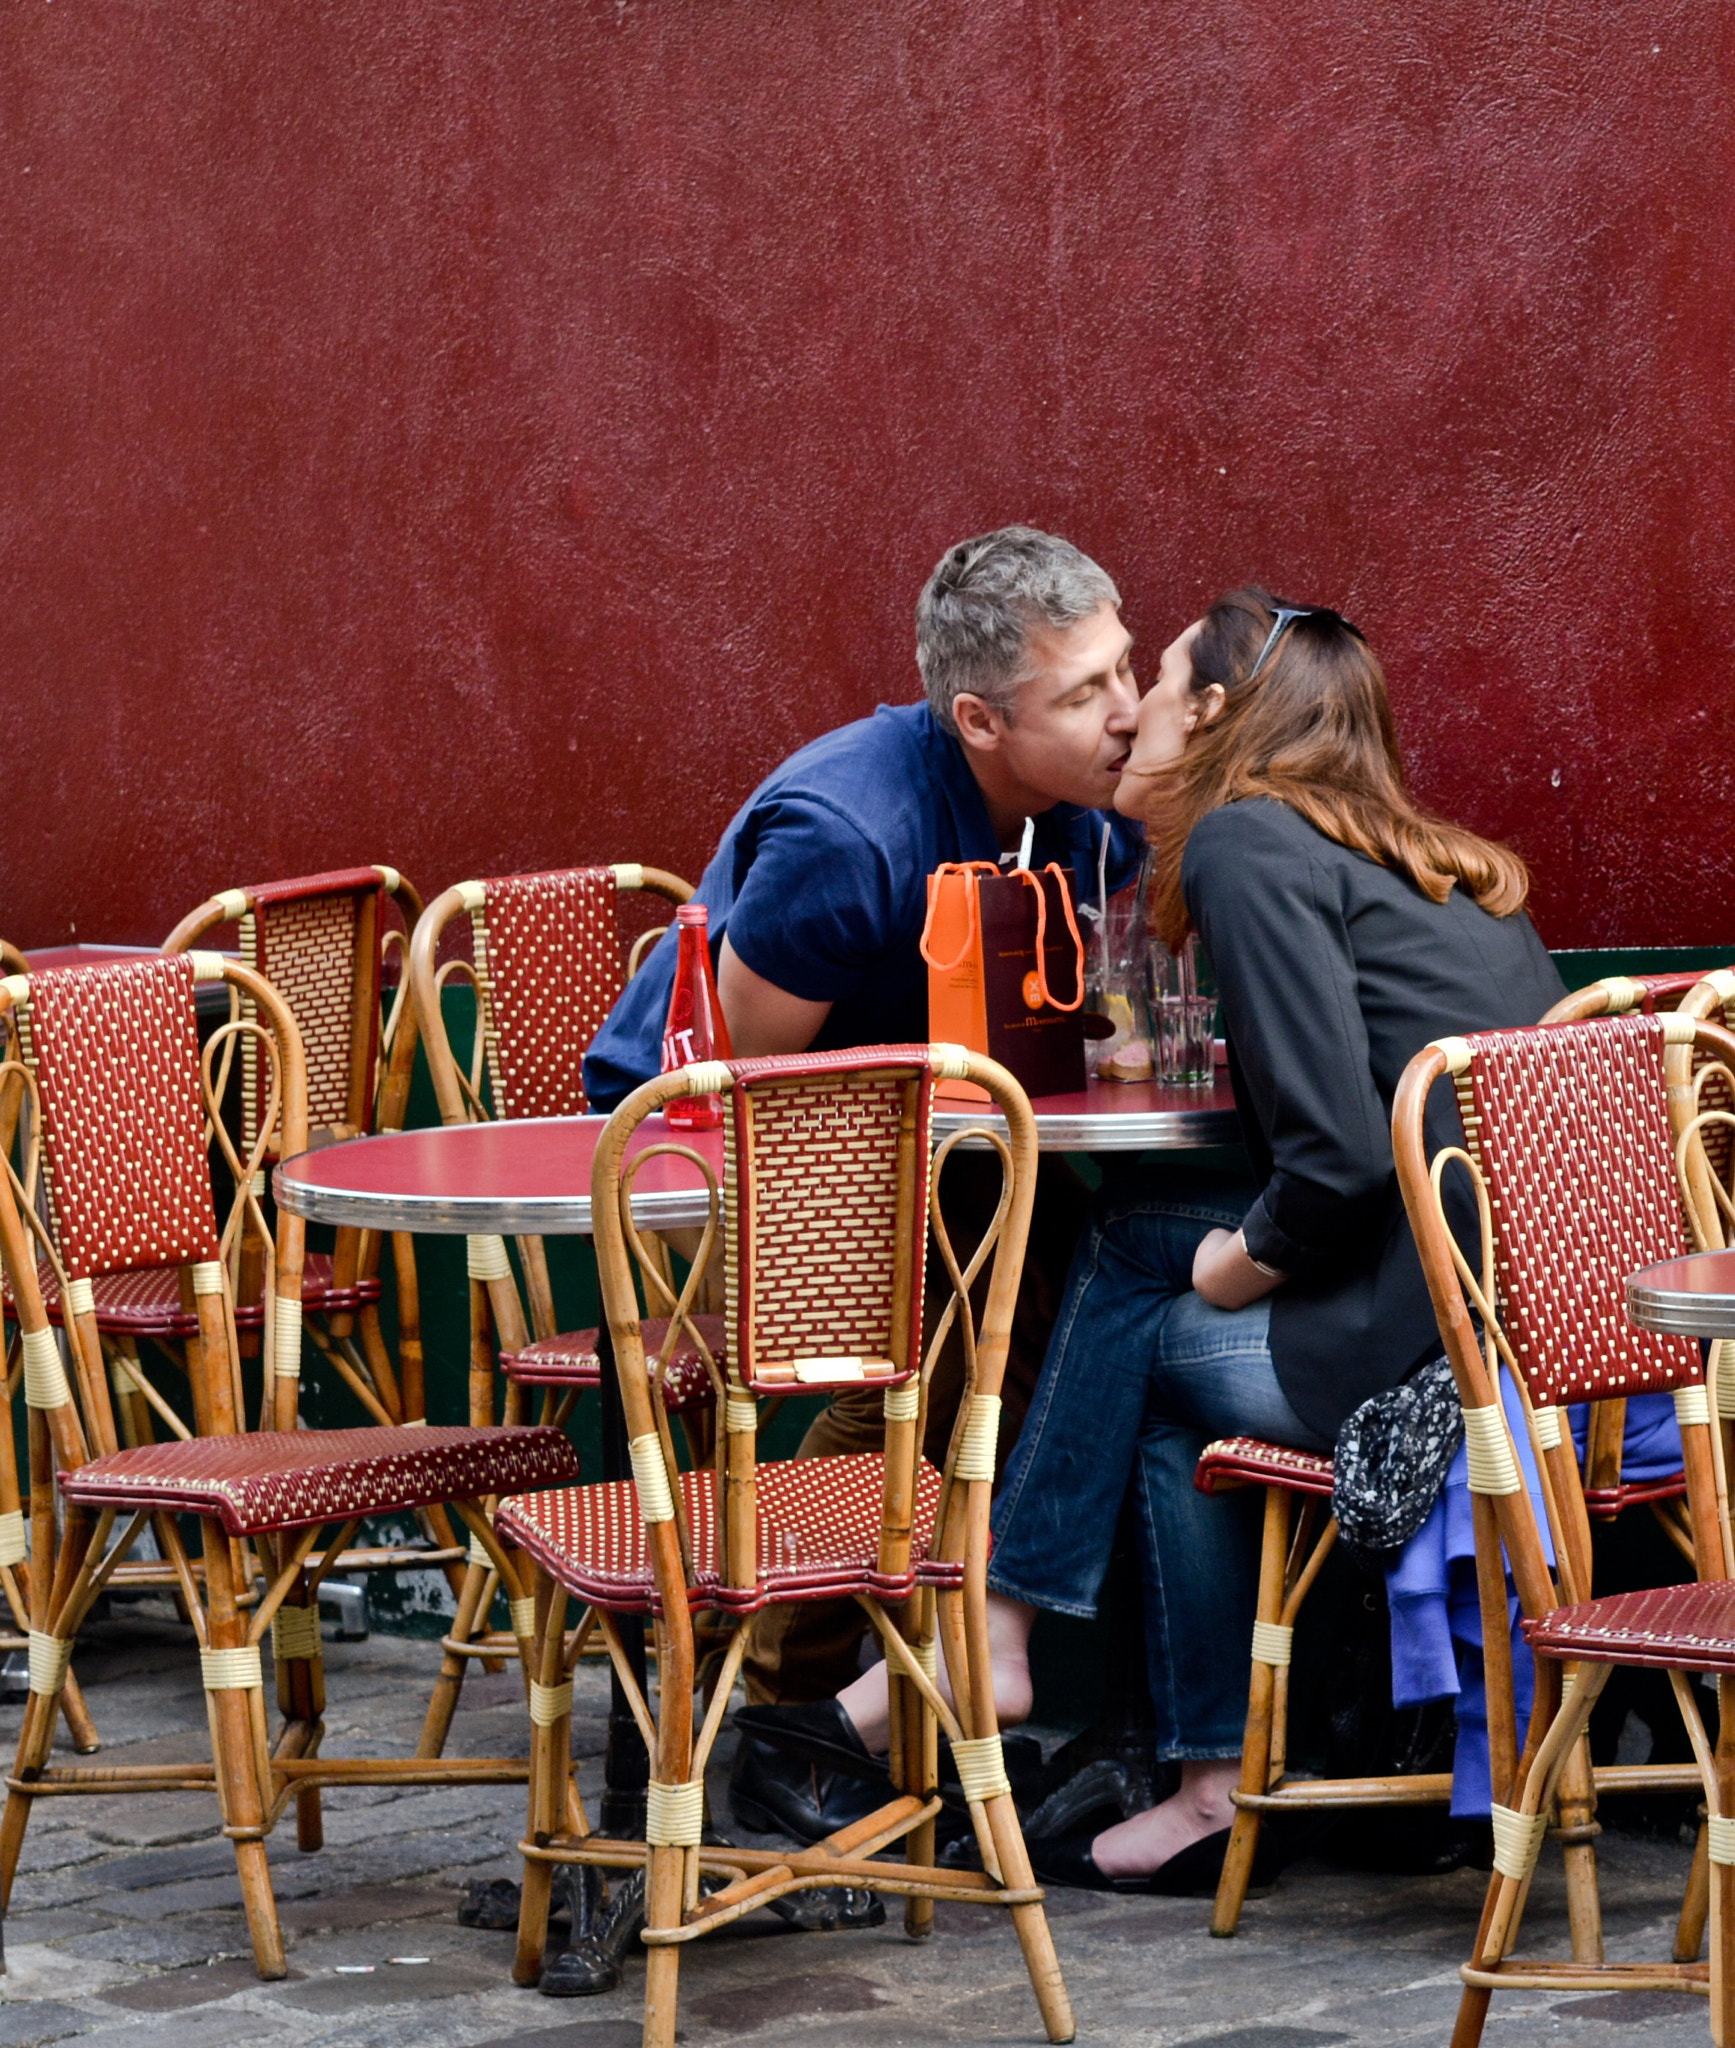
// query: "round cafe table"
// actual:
[[532, 1178], [1690, 1297]]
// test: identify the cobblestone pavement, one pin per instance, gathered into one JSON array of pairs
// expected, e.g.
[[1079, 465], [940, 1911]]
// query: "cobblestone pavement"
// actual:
[[126, 1929]]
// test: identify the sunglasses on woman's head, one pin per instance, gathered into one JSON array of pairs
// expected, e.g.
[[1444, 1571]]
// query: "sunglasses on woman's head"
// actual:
[[1287, 614]]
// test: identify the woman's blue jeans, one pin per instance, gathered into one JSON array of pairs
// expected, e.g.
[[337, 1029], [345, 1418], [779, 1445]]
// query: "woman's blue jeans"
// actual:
[[1141, 1374]]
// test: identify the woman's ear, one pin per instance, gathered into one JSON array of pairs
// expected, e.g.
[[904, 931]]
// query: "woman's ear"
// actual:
[[1210, 702]]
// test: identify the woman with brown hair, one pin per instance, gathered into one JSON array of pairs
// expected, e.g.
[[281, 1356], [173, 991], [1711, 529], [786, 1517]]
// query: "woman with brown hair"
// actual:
[[1347, 929]]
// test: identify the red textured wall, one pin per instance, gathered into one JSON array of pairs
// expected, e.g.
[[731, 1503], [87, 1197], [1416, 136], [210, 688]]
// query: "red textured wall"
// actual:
[[487, 433]]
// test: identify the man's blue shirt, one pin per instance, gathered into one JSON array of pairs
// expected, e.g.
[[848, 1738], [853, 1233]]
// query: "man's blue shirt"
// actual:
[[821, 884]]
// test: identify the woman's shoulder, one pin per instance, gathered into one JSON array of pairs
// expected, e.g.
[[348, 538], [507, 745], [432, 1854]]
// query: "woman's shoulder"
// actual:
[[1251, 825]]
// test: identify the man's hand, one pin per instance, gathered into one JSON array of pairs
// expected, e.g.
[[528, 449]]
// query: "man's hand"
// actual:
[[763, 1018], [1224, 1274]]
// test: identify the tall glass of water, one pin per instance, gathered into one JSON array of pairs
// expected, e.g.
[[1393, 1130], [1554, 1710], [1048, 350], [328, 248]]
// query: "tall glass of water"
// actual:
[[1183, 1006]]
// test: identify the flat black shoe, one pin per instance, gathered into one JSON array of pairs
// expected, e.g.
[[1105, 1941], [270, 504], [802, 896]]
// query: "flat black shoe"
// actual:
[[778, 1792], [818, 1730], [1190, 1874]]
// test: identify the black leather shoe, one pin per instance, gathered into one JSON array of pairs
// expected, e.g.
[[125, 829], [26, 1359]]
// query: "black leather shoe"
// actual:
[[1192, 1874], [818, 1730], [780, 1792], [593, 1964]]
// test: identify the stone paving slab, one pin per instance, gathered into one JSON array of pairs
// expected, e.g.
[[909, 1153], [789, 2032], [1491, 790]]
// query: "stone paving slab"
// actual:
[[126, 1930]]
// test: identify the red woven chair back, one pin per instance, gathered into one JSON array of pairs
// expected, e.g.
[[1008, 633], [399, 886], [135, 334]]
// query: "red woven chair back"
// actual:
[[306, 937], [548, 965], [1651, 995], [826, 1165], [116, 1055], [1570, 1126]]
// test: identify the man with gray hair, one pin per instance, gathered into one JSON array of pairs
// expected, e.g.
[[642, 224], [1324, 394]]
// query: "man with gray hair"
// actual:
[[817, 896], [818, 891]]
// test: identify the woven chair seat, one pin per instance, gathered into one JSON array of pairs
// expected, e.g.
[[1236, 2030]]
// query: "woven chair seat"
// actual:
[[147, 1301], [291, 1479], [572, 1360], [1680, 1628], [818, 1537], [1246, 1461]]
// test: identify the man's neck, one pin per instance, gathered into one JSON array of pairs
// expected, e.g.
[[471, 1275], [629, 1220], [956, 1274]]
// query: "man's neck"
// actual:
[[1007, 801]]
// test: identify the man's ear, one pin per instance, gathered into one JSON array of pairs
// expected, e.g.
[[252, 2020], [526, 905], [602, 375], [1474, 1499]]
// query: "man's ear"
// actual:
[[979, 724]]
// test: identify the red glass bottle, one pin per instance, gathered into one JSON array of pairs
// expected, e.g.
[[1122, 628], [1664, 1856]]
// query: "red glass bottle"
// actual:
[[695, 1029]]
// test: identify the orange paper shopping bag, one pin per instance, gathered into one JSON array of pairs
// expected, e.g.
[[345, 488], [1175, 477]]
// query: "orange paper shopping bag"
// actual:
[[1006, 973]]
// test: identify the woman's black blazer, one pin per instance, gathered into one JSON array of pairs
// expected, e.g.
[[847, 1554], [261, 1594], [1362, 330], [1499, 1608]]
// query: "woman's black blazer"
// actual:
[[1334, 972]]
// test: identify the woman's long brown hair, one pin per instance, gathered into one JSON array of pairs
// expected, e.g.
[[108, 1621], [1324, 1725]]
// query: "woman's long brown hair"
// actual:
[[1314, 730]]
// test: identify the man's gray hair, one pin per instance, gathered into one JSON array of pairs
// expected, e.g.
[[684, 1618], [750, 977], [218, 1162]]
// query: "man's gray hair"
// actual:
[[973, 619]]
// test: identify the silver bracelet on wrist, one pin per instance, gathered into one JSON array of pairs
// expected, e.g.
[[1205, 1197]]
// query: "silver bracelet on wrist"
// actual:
[[1259, 1265]]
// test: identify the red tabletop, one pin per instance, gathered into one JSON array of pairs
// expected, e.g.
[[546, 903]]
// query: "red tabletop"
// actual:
[[533, 1176], [505, 1178], [1121, 1116], [1690, 1297]]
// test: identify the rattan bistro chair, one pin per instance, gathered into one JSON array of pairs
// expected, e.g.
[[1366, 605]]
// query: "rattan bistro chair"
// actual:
[[1573, 1161], [826, 1193], [1693, 995], [127, 1111], [546, 965], [1299, 1532], [15, 1567], [322, 941]]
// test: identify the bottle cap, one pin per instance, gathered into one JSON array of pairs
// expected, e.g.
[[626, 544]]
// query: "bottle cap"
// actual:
[[691, 913]]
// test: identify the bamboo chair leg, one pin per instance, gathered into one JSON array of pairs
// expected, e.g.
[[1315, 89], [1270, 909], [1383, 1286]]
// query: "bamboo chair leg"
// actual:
[[1723, 1880], [41, 1710], [919, 1776], [664, 1887], [236, 1753], [35, 1740], [1472, 2016], [534, 1899], [410, 1368], [301, 1698], [481, 1357], [1262, 1702], [1578, 1819], [79, 1725], [1695, 1902], [1553, 1747], [1030, 1923], [437, 1526], [964, 1641], [379, 1361], [550, 1770], [437, 1724]]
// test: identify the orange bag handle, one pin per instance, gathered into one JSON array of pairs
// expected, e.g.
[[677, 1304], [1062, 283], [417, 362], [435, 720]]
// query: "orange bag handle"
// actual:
[[1035, 882], [973, 919]]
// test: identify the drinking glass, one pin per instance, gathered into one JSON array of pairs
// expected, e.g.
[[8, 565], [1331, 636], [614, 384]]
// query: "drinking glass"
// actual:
[[1183, 1010], [1116, 989]]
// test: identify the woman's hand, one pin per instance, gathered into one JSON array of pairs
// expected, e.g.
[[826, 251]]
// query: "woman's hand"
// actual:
[[1224, 1274]]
